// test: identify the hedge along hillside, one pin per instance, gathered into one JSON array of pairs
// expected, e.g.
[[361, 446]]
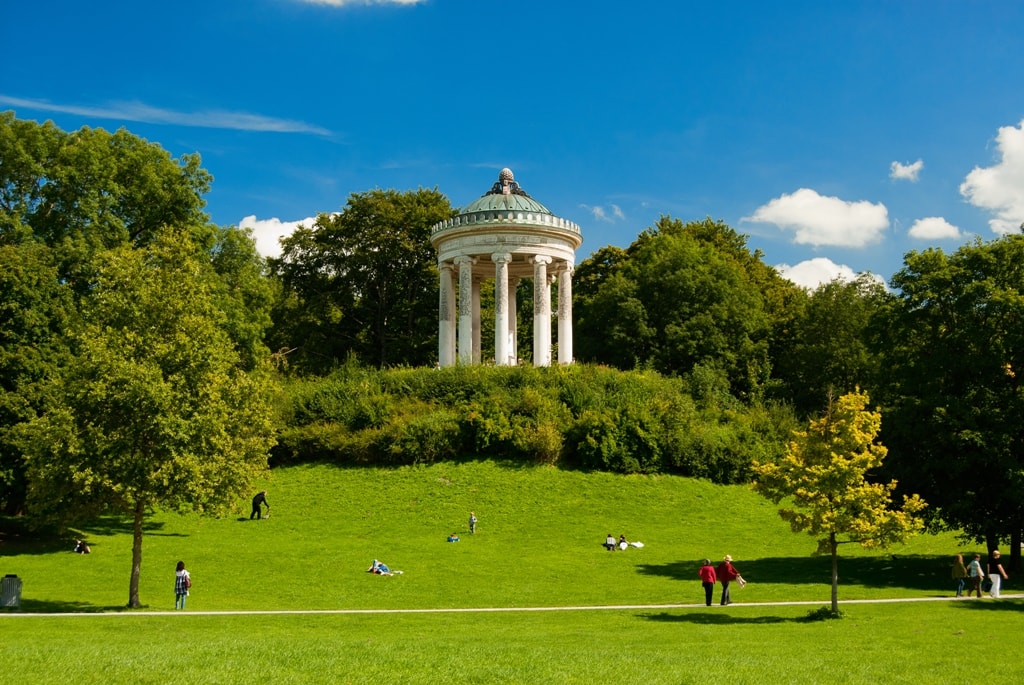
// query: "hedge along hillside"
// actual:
[[575, 416]]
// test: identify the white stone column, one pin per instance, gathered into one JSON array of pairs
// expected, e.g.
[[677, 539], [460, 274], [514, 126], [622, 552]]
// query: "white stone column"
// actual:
[[565, 314], [541, 312], [465, 309], [476, 320], [446, 318], [501, 351], [513, 319]]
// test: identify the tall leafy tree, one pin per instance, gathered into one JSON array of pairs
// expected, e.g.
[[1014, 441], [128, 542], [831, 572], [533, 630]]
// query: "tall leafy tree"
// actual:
[[64, 198], [825, 480], [682, 295], [828, 352], [156, 409], [953, 350], [363, 282]]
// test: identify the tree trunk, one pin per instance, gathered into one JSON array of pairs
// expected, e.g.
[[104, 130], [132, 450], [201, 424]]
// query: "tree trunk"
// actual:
[[835, 572], [1015, 547], [133, 586]]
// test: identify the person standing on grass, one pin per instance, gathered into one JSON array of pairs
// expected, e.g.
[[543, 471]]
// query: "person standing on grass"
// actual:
[[959, 574], [257, 508], [472, 522], [726, 573], [975, 573], [996, 573], [707, 579], [182, 582]]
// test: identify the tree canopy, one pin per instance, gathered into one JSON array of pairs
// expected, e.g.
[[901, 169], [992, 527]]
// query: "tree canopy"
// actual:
[[362, 282], [682, 295], [952, 345], [155, 408], [825, 481]]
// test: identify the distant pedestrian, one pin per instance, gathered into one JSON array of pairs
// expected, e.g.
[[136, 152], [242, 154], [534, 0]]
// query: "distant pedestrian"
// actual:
[[257, 502], [182, 583], [975, 574], [472, 522], [959, 574], [726, 573], [996, 573], [707, 579]]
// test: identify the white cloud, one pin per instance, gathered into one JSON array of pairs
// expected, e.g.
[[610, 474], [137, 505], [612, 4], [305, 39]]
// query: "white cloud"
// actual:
[[906, 172], [934, 228], [812, 273], [137, 111], [1000, 188], [268, 232], [820, 220]]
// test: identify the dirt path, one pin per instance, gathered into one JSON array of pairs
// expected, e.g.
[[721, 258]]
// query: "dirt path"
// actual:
[[607, 607]]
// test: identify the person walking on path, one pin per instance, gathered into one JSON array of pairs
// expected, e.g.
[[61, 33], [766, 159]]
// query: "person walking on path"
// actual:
[[996, 573], [472, 522], [707, 579], [726, 573], [959, 574], [975, 573], [257, 502], [182, 582]]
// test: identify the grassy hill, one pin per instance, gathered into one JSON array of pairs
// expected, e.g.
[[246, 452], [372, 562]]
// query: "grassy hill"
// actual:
[[538, 544]]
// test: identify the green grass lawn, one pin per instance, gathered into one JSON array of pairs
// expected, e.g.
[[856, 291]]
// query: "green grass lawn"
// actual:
[[538, 544]]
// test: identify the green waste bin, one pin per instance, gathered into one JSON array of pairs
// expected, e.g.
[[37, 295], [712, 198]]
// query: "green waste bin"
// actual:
[[10, 591]]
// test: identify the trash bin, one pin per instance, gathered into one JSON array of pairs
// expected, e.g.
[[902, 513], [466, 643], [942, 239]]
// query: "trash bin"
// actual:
[[10, 591]]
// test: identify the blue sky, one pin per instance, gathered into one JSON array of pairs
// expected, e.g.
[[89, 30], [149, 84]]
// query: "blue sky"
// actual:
[[836, 135]]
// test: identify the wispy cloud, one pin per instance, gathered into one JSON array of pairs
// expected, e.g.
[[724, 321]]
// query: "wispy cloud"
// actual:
[[821, 220], [1000, 188], [934, 228], [906, 172], [137, 111], [344, 3], [611, 215]]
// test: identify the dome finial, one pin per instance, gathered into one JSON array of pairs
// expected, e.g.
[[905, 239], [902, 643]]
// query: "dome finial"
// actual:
[[506, 185]]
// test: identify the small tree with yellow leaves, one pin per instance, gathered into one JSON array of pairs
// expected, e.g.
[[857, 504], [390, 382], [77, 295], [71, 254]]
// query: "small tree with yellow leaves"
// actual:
[[824, 481]]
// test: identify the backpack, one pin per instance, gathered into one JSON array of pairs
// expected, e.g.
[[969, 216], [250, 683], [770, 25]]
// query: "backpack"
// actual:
[[186, 581]]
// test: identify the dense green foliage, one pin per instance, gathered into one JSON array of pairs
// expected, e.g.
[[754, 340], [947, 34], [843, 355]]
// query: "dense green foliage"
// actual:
[[682, 296], [362, 282], [579, 416], [953, 348], [155, 406]]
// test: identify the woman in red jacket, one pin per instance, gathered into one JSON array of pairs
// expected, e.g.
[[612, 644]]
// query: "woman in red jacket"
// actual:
[[726, 574], [707, 579]]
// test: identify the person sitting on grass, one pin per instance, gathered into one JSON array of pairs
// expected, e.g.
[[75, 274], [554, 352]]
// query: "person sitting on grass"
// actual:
[[609, 543], [381, 569], [81, 547], [454, 537]]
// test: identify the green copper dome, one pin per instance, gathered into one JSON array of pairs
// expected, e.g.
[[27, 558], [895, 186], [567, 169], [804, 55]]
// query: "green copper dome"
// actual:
[[506, 195]]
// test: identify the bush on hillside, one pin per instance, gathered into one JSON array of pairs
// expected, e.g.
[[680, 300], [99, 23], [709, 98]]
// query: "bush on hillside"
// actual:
[[577, 416]]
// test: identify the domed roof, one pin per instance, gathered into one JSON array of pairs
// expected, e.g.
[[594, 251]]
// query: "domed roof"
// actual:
[[506, 194]]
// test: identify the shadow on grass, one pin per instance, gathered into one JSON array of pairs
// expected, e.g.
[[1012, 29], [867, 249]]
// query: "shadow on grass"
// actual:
[[914, 572], [35, 606], [995, 605], [716, 618], [17, 538]]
